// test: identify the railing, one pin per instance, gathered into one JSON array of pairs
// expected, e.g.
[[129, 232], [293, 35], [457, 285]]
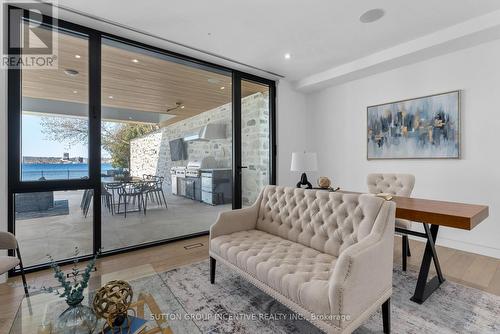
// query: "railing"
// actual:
[[59, 174]]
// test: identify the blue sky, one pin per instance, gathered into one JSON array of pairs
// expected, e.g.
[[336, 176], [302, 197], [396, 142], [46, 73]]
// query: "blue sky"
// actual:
[[34, 142]]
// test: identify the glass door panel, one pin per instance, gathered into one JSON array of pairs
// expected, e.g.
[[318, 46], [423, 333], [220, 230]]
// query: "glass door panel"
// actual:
[[166, 146], [255, 140], [51, 217], [53, 223], [55, 114]]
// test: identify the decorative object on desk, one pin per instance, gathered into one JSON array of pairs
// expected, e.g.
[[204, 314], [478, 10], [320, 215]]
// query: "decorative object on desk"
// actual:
[[324, 182], [420, 128], [112, 303], [304, 162], [77, 318]]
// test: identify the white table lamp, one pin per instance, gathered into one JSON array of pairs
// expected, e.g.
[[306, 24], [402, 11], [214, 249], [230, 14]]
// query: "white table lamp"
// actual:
[[304, 162]]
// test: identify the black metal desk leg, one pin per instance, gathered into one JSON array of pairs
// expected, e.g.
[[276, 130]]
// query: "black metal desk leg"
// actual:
[[424, 289]]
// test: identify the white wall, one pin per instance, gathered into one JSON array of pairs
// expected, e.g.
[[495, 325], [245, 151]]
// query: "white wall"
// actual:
[[339, 136], [292, 129]]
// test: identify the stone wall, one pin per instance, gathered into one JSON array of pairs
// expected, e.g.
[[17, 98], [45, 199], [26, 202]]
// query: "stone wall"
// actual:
[[150, 154], [255, 145]]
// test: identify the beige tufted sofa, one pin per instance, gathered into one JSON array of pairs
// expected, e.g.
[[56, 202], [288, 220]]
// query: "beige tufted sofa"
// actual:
[[327, 256], [398, 185]]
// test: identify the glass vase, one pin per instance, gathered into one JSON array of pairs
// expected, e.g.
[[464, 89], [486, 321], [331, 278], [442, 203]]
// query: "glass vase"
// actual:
[[76, 319]]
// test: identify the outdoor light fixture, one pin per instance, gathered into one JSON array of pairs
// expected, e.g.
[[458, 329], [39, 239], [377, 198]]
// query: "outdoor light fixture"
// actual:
[[177, 106], [71, 72]]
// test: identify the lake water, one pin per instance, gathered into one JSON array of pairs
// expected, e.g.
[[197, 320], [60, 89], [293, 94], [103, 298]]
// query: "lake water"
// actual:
[[33, 172]]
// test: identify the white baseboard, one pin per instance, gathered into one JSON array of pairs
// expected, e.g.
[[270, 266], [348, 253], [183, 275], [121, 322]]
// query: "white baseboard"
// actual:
[[465, 246], [469, 247]]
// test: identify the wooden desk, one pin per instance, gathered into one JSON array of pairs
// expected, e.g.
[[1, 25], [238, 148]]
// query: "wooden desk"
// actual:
[[449, 214], [434, 213]]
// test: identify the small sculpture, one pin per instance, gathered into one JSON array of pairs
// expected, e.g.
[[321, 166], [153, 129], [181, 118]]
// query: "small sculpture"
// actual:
[[324, 182], [112, 302]]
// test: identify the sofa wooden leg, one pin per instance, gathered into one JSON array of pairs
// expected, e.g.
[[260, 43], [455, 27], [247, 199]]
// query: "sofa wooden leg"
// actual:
[[404, 248], [212, 270], [386, 316]]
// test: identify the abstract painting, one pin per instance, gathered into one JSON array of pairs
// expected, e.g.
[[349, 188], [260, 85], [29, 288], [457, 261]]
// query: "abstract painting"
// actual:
[[422, 128]]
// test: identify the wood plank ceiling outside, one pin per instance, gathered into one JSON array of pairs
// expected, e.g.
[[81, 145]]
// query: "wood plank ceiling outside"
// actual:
[[132, 80]]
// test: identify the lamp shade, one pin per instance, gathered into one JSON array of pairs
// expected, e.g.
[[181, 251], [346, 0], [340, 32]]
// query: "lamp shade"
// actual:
[[304, 162]]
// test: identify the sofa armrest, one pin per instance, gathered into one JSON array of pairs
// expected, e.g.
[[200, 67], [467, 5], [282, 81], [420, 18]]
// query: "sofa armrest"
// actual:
[[363, 272], [236, 220]]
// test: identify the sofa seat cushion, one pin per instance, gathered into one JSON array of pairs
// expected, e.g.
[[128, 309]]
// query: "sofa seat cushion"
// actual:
[[298, 272]]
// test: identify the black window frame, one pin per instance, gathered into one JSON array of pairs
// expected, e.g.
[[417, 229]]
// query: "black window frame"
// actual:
[[95, 37]]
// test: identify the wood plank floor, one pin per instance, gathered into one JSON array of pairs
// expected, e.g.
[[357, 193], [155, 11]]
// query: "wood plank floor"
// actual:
[[473, 270]]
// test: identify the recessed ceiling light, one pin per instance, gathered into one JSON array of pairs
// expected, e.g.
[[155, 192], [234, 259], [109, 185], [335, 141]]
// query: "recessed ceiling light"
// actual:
[[110, 97], [288, 56], [223, 88], [372, 15], [78, 56], [75, 92], [135, 61], [182, 107]]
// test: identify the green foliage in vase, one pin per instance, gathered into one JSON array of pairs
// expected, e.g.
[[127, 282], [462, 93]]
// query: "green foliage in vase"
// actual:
[[73, 286]]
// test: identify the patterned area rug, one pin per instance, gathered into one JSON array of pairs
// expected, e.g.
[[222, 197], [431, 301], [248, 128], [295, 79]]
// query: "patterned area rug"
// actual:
[[233, 305]]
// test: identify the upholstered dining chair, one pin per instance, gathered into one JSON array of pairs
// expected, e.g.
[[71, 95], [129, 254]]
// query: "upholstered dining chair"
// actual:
[[9, 241], [397, 185]]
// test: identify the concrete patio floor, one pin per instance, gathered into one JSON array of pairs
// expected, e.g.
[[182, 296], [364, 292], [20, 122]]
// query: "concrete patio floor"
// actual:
[[59, 235]]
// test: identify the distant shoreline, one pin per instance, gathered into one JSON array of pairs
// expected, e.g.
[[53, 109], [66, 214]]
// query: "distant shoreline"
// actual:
[[59, 171], [59, 161]]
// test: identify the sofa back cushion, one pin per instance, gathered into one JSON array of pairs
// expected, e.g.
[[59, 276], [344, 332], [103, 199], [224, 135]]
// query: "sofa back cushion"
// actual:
[[326, 221]]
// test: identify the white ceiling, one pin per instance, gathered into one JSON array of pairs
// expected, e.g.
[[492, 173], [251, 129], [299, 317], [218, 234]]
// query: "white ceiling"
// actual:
[[319, 34]]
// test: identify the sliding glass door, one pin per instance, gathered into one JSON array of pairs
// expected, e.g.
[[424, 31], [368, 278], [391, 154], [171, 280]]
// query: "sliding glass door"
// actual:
[[255, 140], [49, 176], [255, 123], [166, 145], [123, 145]]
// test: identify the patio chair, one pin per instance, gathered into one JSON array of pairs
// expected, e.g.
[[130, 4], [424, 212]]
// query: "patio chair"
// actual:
[[113, 188], [86, 201], [134, 191], [107, 199], [9, 242], [155, 190], [158, 190]]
